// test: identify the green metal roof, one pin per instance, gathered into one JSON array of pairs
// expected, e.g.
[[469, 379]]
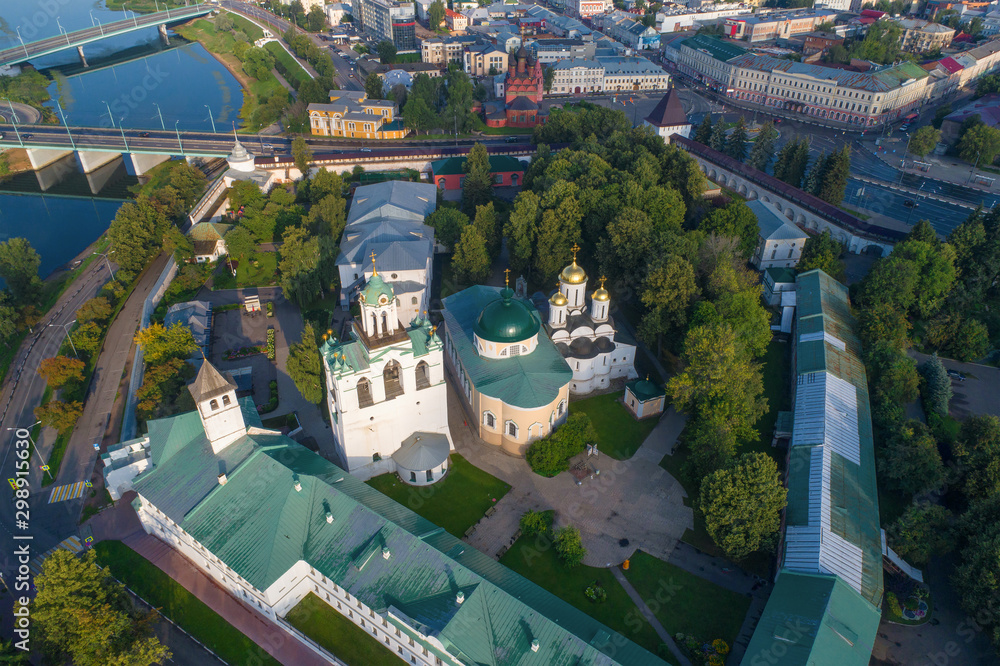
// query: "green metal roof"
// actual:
[[391, 559], [781, 274], [813, 620], [644, 390], [715, 47], [528, 381], [506, 319], [375, 289], [456, 165]]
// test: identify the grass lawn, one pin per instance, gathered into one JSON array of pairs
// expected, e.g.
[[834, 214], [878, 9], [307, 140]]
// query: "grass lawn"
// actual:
[[173, 601], [544, 569], [776, 390], [687, 603], [619, 434], [247, 274], [296, 73], [349, 642], [456, 503]]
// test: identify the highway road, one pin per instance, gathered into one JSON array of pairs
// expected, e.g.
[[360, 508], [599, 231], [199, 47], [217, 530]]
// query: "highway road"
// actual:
[[26, 51]]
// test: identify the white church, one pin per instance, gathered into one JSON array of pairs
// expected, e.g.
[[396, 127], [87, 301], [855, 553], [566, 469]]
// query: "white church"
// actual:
[[596, 352], [386, 392]]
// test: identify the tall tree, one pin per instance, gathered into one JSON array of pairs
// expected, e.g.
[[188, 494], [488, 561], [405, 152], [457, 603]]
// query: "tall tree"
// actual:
[[978, 451], [834, 177], [305, 366], [486, 222], [521, 231], [938, 385], [911, 460], [327, 217], [784, 161], [477, 189], [315, 19], [799, 163], [742, 505], [61, 370], [435, 14], [448, 224], [735, 220], [667, 293], [924, 140], [979, 144], [19, 269], [299, 266], [86, 618], [736, 144], [718, 139], [386, 51], [719, 379], [823, 252], [374, 86], [95, 309], [815, 176], [59, 415], [703, 134], [923, 531], [471, 261], [240, 244], [302, 154], [136, 233], [763, 147], [160, 343]]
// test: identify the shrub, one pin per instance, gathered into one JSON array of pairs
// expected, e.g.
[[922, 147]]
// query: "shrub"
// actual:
[[569, 546], [534, 522], [270, 344], [549, 456], [596, 593]]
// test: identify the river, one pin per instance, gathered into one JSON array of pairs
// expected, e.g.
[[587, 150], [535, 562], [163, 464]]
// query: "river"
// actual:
[[134, 81]]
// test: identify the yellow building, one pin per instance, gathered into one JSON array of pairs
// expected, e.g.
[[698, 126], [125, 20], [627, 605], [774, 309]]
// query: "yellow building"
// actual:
[[352, 115], [513, 380]]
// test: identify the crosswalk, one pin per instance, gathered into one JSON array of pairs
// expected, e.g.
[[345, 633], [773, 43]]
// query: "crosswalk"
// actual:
[[72, 544], [68, 492]]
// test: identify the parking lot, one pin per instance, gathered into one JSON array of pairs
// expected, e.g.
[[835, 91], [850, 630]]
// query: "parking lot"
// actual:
[[235, 329], [978, 393]]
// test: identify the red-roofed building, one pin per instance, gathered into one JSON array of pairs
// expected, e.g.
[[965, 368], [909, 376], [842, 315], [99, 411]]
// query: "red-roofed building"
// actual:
[[872, 13], [456, 22], [950, 65]]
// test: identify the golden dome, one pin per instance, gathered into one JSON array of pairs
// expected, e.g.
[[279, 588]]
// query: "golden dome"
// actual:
[[573, 274], [601, 294], [558, 299]]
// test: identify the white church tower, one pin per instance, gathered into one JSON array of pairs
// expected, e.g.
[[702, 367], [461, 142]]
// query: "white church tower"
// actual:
[[215, 396]]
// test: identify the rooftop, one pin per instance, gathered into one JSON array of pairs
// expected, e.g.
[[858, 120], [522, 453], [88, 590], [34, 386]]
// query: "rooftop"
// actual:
[[715, 47], [772, 224], [669, 112]]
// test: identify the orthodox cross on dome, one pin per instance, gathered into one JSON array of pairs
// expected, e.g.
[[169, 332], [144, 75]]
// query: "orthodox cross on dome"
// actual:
[[574, 250], [506, 277], [374, 270], [603, 280]]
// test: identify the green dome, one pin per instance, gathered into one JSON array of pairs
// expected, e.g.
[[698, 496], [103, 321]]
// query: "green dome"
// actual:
[[506, 320], [374, 291]]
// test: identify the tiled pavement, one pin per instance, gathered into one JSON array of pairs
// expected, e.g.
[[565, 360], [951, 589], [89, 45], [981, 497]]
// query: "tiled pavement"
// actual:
[[634, 499]]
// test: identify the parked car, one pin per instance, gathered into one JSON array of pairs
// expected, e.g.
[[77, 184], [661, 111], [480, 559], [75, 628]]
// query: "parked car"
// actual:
[[144, 135], [366, 150], [955, 374], [904, 128], [513, 139]]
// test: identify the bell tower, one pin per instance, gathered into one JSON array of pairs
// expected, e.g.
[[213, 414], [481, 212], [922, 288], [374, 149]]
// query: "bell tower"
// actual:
[[219, 411], [378, 306]]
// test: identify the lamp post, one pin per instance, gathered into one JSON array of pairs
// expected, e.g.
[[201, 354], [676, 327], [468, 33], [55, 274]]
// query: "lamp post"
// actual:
[[62, 30], [122, 128], [65, 327], [210, 117], [180, 145], [94, 21], [105, 255], [973, 172], [13, 113], [110, 117], [162, 126], [18, 28], [45, 468], [13, 117], [65, 124]]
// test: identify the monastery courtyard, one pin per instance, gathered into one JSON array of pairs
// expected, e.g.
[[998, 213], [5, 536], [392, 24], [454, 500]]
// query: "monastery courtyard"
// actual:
[[632, 499]]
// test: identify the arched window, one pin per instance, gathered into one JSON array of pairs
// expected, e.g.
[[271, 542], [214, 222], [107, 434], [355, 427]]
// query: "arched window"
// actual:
[[214, 405], [515, 350], [374, 324], [423, 373], [365, 393], [489, 420], [413, 301], [511, 429], [392, 377], [226, 401], [562, 408], [385, 323]]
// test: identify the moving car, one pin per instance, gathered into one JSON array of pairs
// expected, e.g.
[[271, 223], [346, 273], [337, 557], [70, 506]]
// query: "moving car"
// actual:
[[955, 374], [144, 135]]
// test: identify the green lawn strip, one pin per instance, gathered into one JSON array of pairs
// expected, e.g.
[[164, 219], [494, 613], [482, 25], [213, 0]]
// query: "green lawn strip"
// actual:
[[542, 567], [292, 66], [776, 390], [341, 637], [685, 603], [456, 503], [56, 457], [176, 603], [619, 434], [251, 29]]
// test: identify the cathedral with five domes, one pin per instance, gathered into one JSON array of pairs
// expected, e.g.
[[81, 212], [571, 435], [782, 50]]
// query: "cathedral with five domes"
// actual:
[[586, 337]]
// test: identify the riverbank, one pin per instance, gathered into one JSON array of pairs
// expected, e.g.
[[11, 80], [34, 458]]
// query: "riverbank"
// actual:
[[260, 98]]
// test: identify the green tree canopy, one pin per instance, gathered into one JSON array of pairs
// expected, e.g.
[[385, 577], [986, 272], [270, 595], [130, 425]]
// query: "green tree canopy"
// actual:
[[923, 531], [448, 224], [59, 415], [477, 188], [19, 264], [924, 140], [736, 144], [742, 505], [823, 251], [305, 366], [61, 370], [240, 244], [938, 385], [569, 546], [763, 147], [136, 233], [302, 154], [96, 309], [160, 343], [471, 261], [910, 459]]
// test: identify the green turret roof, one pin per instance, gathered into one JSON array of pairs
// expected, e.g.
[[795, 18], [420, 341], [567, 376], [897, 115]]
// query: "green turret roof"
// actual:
[[506, 320], [375, 289]]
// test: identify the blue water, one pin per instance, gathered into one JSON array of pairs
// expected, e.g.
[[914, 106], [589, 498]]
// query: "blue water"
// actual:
[[58, 228], [180, 80]]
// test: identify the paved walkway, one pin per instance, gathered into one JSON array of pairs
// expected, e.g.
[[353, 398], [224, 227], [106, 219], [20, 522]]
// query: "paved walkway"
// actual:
[[640, 603], [633, 499]]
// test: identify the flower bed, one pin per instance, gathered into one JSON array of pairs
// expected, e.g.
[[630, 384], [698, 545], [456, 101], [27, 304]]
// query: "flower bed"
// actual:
[[272, 403], [270, 343], [596, 593], [915, 608], [242, 352], [702, 653], [270, 309]]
